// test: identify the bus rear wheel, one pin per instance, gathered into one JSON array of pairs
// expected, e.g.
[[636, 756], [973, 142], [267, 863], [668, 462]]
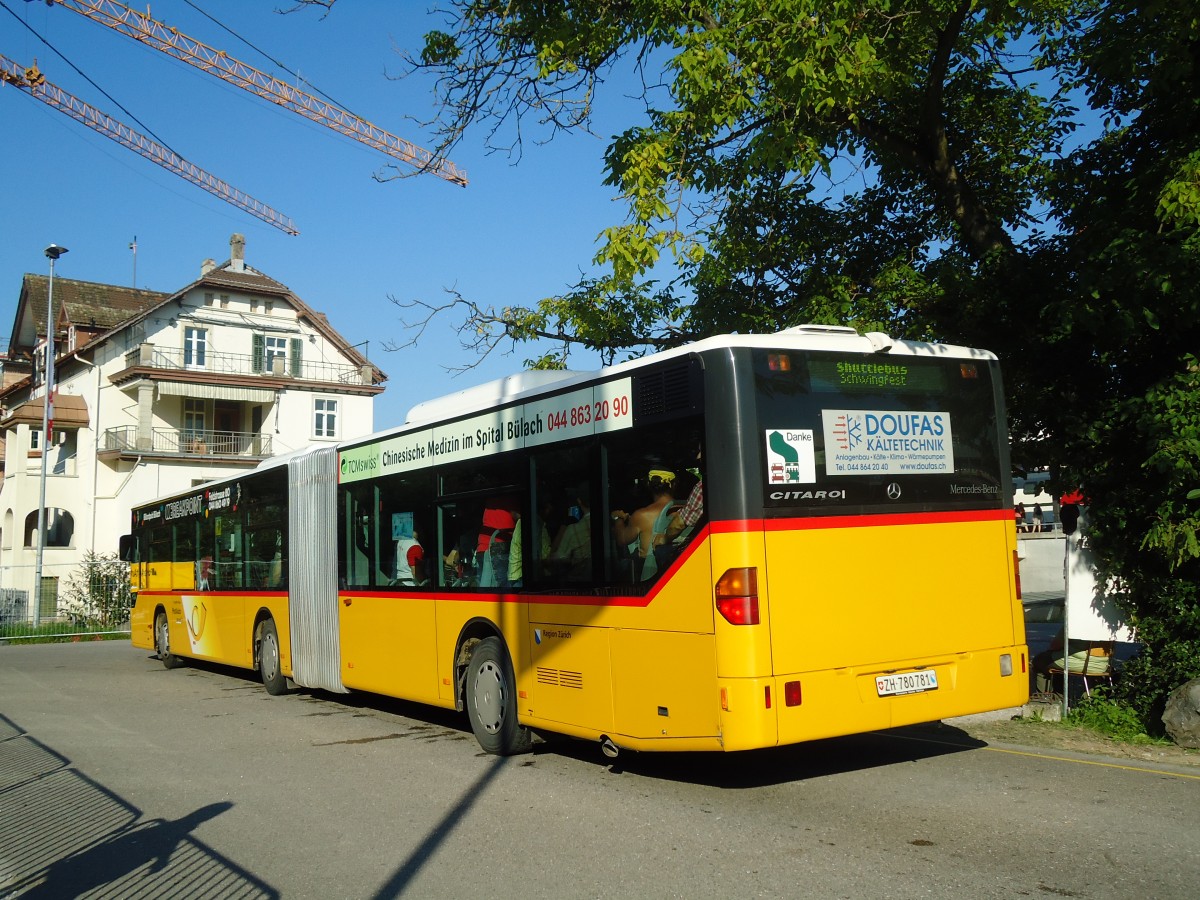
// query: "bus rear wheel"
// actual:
[[491, 700], [268, 658], [162, 642]]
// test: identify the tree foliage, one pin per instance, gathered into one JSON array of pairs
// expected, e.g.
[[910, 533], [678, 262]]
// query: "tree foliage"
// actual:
[[816, 158], [1023, 176], [97, 594]]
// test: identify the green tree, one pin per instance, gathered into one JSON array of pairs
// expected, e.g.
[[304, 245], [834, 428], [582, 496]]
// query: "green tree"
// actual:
[[1123, 406], [1023, 176], [815, 158], [97, 594]]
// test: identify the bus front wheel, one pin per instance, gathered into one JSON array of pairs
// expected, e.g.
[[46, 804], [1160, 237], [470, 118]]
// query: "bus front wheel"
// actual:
[[268, 658], [162, 642], [492, 700]]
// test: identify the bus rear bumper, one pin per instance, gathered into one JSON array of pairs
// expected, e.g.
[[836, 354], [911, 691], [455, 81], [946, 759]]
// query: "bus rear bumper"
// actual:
[[807, 706], [851, 701]]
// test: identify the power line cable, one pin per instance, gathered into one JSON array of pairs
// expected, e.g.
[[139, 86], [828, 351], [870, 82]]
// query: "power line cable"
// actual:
[[268, 56], [82, 75]]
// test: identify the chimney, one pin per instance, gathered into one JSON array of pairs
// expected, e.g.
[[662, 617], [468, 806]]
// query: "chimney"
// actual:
[[207, 266], [237, 253]]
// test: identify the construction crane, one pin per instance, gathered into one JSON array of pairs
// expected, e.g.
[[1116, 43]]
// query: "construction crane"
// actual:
[[171, 41], [32, 80]]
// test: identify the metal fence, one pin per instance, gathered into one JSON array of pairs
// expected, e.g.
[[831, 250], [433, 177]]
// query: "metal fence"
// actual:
[[77, 602]]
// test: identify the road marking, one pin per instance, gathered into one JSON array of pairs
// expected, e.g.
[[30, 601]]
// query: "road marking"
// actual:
[[1085, 762], [1093, 762]]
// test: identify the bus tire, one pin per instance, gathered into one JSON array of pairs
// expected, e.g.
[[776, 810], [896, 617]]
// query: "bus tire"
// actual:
[[162, 642], [491, 700], [268, 658]]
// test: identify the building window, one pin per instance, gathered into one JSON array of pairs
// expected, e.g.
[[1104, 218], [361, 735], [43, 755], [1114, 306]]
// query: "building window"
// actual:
[[195, 343], [35, 439], [325, 418], [268, 348], [193, 423], [276, 348]]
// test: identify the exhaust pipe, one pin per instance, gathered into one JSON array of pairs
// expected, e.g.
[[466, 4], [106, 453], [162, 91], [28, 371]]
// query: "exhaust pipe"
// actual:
[[608, 748]]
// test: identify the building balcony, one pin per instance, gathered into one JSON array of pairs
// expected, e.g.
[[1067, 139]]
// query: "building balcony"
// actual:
[[241, 365], [226, 447]]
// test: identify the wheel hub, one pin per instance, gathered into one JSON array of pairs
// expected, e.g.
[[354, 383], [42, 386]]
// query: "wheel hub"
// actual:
[[489, 697]]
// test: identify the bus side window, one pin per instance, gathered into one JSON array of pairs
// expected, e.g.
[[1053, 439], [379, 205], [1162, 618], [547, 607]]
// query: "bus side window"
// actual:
[[650, 473], [361, 535], [158, 572], [183, 556], [230, 554], [561, 538]]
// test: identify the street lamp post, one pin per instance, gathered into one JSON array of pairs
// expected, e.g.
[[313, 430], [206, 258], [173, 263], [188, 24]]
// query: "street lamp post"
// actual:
[[53, 252]]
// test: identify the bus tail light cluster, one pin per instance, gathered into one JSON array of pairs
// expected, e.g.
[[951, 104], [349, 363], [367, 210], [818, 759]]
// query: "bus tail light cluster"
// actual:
[[1017, 572], [737, 596]]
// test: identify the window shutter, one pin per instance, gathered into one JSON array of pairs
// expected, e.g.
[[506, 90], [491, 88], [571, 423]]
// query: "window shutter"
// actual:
[[297, 349], [258, 354]]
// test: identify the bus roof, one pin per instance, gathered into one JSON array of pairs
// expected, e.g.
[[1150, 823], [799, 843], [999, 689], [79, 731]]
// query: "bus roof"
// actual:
[[802, 337]]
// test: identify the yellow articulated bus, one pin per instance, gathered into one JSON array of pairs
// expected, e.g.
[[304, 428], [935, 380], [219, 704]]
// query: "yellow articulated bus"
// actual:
[[745, 542]]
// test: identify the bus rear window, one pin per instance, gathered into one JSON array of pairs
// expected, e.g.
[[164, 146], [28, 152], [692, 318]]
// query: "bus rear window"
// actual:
[[848, 433]]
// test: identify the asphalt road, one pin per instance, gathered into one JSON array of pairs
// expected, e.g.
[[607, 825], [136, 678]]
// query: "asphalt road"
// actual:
[[119, 778]]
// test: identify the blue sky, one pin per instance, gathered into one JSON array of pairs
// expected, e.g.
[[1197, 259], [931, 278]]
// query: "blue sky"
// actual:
[[515, 234]]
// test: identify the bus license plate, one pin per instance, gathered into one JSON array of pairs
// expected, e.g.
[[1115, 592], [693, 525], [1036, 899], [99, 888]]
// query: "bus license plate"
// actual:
[[906, 683]]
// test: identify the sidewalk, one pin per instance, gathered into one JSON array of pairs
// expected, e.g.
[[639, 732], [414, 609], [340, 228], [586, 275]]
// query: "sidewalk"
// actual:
[[1047, 706]]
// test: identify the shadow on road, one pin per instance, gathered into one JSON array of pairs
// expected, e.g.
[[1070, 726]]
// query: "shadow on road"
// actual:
[[781, 765], [64, 835], [744, 769]]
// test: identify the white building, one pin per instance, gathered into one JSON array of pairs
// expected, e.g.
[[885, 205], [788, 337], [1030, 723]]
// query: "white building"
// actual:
[[156, 393]]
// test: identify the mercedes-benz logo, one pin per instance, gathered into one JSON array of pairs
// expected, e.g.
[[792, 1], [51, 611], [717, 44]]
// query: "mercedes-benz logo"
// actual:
[[893, 491]]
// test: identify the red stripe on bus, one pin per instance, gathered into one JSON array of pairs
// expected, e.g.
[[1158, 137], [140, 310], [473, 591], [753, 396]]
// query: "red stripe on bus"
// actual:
[[811, 523]]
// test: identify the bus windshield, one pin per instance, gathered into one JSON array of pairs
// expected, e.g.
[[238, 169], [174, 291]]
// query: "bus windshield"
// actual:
[[877, 434]]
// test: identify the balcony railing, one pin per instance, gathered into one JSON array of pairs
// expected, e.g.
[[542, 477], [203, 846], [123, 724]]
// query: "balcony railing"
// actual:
[[175, 358], [242, 444]]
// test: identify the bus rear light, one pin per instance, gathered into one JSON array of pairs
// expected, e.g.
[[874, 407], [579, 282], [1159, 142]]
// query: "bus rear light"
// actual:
[[724, 700], [737, 596], [767, 696], [791, 693], [1017, 572], [1006, 668]]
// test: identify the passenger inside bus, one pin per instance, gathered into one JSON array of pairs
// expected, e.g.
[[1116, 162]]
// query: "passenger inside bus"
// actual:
[[572, 553], [266, 570], [516, 562], [204, 566], [495, 543], [410, 555], [642, 529]]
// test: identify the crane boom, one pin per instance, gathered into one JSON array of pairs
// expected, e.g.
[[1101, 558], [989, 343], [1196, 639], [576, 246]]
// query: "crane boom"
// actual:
[[33, 81], [171, 41]]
